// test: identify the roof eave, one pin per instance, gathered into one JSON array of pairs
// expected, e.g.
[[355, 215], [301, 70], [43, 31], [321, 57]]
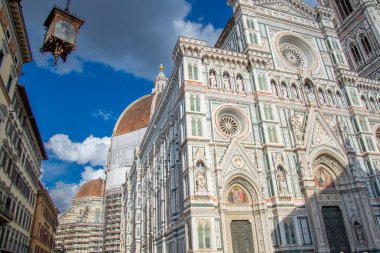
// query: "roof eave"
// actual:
[[18, 21]]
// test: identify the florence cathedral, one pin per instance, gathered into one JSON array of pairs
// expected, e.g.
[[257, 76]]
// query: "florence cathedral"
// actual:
[[268, 141]]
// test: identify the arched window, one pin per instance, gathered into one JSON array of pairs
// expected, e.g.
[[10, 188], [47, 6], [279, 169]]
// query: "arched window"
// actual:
[[195, 69], [295, 94], [344, 8], [354, 98], [192, 103], [195, 103], [255, 40], [250, 23], [330, 97], [366, 45], [193, 127], [204, 235], [355, 54], [272, 134], [268, 112], [251, 39], [192, 70], [365, 103], [262, 79], [321, 96], [289, 232]]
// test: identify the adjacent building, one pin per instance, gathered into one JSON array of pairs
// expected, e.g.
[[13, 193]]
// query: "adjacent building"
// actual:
[[45, 222], [267, 141], [21, 152], [81, 227], [21, 146]]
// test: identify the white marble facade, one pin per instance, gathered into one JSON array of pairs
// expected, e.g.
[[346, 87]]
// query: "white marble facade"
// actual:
[[267, 142]]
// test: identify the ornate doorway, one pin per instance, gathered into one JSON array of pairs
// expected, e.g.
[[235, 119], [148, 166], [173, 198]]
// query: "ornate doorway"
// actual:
[[335, 230], [241, 234]]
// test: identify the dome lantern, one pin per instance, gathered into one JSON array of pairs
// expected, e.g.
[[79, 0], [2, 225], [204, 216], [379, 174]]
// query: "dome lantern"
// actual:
[[62, 28]]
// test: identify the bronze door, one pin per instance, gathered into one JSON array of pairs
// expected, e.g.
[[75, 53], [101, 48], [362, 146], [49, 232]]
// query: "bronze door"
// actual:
[[335, 230], [241, 234]]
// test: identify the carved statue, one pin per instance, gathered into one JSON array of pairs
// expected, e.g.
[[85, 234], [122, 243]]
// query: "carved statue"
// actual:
[[284, 90], [294, 92], [239, 83], [359, 232], [281, 180], [296, 122], [310, 94], [201, 181], [212, 78], [355, 167], [226, 81]]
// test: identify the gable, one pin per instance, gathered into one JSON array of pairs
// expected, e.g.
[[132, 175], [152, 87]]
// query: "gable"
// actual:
[[236, 160], [296, 8], [319, 133]]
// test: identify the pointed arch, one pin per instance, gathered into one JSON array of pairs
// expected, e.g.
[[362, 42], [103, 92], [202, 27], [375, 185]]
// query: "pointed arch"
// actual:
[[366, 45], [355, 54], [344, 8], [250, 187]]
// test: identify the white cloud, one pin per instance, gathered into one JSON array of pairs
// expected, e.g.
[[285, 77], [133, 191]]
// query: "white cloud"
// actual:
[[62, 193], [103, 114], [90, 173], [131, 36], [92, 150]]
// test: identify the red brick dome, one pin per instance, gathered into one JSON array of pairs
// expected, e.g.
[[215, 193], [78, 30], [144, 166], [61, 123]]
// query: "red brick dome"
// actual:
[[94, 188], [137, 115]]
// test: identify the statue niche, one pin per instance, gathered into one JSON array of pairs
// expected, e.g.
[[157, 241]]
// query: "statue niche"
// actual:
[[281, 181], [200, 176]]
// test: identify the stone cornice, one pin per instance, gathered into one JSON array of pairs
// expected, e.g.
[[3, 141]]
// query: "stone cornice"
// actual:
[[352, 79]]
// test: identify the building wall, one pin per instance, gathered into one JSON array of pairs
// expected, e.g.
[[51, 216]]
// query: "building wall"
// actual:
[[45, 222], [21, 148], [271, 128], [81, 227]]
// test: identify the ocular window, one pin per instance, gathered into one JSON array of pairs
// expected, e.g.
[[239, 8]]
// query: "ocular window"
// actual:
[[296, 52], [293, 55], [229, 125], [231, 122]]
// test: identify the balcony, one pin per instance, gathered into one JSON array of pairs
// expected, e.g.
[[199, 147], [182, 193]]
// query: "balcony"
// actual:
[[6, 216]]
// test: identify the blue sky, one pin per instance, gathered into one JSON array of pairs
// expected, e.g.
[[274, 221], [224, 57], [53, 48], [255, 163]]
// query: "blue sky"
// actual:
[[119, 50]]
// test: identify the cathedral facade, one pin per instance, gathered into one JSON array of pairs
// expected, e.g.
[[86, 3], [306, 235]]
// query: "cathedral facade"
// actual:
[[267, 142]]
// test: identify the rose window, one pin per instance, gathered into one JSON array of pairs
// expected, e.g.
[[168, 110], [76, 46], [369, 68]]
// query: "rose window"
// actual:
[[293, 55], [295, 51], [229, 125]]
